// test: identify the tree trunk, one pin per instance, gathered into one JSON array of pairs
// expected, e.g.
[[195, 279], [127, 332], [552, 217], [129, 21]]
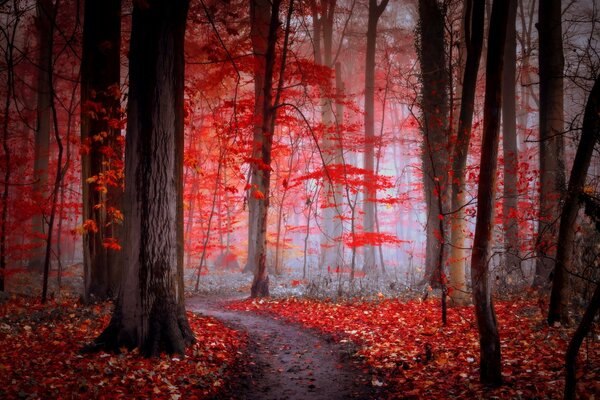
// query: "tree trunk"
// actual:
[[559, 301], [573, 348], [260, 14], [509, 146], [331, 146], [474, 23], [9, 64], [149, 312], [46, 14], [100, 99], [489, 339], [435, 114], [552, 172], [370, 190], [592, 209], [261, 171]]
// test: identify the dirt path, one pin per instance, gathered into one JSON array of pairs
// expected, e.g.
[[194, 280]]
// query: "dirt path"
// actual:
[[288, 362]]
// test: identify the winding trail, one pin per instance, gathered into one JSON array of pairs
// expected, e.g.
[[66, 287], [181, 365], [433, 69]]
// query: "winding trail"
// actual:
[[287, 361]]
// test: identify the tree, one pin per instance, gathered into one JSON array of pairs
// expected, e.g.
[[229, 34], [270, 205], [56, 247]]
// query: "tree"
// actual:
[[370, 190], [489, 339], [435, 112], [509, 146], [149, 312], [100, 99], [559, 297], [590, 135], [323, 13], [263, 140], [46, 17], [260, 13], [474, 22], [552, 171]]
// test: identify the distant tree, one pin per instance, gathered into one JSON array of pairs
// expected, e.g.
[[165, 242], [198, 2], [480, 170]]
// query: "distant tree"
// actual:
[[510, 197], [370, 191], [489, 340], [46, 17], [552, 169], [149, 312], [9, 33], [100, 102]]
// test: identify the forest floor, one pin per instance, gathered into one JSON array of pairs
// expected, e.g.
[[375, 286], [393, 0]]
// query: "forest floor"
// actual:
[[286, 360]]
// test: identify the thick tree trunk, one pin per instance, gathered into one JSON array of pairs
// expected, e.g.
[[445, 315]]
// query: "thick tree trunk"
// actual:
[[435, 114], [559, 301], [370, 190], [260, 15], [149, 312], [100, 99], [261, 171], [46, 13], [474, 22], [489, 340], [509, 146], [552, 171]]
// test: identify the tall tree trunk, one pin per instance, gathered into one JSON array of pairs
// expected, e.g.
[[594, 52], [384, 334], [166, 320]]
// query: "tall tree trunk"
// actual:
[[509, 146], [261, 171], [552, 171], [149, 312], [323, 18], [435, 115], [260, 15], [590, 133], [370, 190], [46, 14], [474, 23], [489, 340], [100, 99]]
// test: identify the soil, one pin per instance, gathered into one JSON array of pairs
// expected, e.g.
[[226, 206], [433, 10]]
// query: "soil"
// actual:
[[287, 361]]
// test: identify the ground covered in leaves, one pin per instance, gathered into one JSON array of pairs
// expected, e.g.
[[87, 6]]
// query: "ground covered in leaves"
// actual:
[[407, 349], [39, 356]]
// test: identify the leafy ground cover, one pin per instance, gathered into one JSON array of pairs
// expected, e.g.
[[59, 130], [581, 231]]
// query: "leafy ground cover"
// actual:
[[39, 356], [407, 350]]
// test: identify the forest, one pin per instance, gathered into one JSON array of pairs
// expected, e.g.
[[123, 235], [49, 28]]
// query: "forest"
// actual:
[[300, 199]]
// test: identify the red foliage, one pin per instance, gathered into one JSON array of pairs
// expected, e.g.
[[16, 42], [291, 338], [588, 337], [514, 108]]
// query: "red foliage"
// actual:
[[410, 352], [39, 357]]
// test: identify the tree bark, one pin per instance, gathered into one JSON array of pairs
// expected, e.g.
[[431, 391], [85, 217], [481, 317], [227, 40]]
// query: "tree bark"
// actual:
[[475, 17], [590, 133], [261, 170], [260, 14], [510, 199], [435, 115], [552, 171], [489, 340], [100, 99], [370, 190], [149, 312]]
